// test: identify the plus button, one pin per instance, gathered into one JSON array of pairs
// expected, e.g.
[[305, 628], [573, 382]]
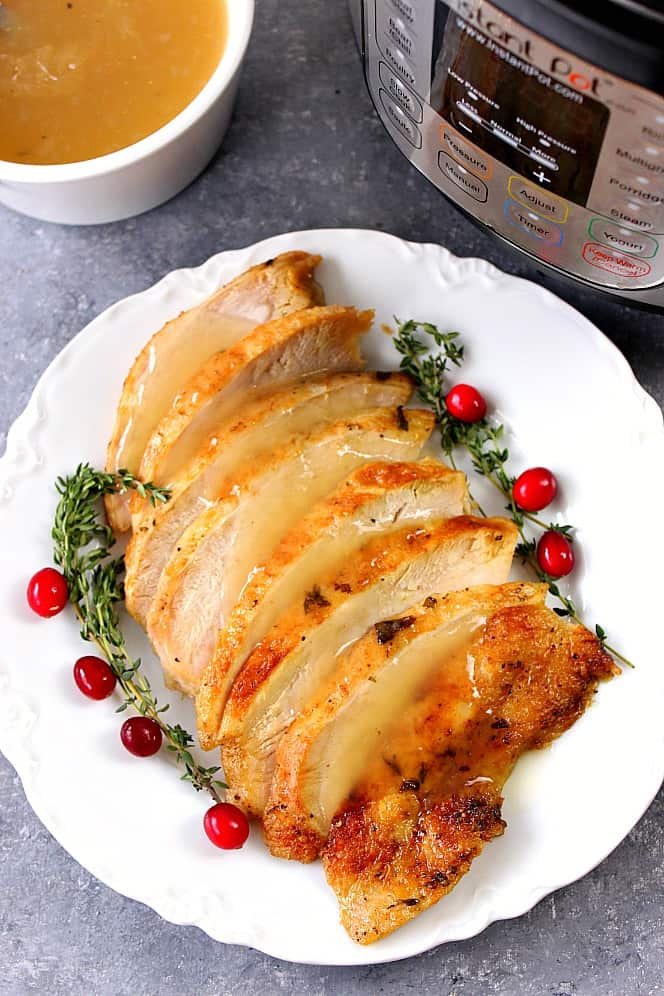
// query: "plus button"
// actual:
[[541, 176]]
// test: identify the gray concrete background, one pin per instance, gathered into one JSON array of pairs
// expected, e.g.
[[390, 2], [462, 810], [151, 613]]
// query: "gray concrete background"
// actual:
[[305, 150]]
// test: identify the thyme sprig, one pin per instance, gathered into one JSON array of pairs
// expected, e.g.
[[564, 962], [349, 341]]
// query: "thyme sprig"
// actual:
[[83, 546], [484, 443]]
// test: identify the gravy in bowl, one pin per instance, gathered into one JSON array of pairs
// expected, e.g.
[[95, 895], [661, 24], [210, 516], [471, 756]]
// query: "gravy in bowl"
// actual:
[[82, 78]]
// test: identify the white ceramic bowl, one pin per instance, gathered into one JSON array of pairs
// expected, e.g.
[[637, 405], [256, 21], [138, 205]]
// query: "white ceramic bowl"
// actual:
[[147, 173]]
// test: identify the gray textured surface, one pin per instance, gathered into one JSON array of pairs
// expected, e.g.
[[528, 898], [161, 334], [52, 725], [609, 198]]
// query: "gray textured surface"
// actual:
[[304, 150]]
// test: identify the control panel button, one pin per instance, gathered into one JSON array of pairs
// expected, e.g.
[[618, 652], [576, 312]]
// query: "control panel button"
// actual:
[[462, 178], [398, 90], [653, 133], [406, 9], [533, 224], [631, 214], [538, 199], [615, 262], [398, 61], [648, 160], [623, 239], [639, 188], [401, 121], [398, 32], [465, 152]]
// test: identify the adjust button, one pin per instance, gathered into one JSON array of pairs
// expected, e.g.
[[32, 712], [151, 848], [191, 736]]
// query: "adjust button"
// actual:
[[401, 121], [615, 262], [533, 224], [460, 176], [623, 239], [465, 152], [398, 90], [537, 199]]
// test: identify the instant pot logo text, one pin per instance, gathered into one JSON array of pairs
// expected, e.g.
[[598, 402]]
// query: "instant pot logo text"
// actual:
[[502, 36]]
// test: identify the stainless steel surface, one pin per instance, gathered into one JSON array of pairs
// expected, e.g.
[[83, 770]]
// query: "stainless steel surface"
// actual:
[[600, 136]]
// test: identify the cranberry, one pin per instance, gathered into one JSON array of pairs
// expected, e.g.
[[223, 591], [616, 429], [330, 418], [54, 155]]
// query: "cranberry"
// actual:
[[47, 592], [226, 826], [141, 736], [94, 677], [534, 489], [554, 554], [466, 403]]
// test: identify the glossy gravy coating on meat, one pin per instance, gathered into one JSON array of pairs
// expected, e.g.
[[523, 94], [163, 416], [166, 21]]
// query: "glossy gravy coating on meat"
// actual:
[[82, 78]]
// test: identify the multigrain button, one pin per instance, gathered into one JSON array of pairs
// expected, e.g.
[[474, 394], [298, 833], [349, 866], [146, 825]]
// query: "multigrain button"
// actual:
[[623, 239], [460, 176], [398, 90], [401, 121], [465, 153], [533, 224], [537, 199], [615, 262], [648, 160]]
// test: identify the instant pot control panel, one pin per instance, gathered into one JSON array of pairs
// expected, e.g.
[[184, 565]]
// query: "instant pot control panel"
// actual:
[[560, 158]]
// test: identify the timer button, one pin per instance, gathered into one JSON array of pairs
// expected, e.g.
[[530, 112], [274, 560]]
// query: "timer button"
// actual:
[[401, 121], [623, 239], [462, 178], [465, 152], [533, 224], [538, 199], [398, 90]]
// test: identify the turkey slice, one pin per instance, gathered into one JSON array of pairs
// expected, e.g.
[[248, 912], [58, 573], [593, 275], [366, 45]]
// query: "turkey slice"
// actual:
[[261, 426], [174, 354], [216, 555], [312, 341], [430, 798], [385, 577], [376, 499], [327, 749]]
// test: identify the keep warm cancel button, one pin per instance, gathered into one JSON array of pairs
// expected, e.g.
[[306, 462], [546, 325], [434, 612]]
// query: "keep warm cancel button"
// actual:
[[614, 262]]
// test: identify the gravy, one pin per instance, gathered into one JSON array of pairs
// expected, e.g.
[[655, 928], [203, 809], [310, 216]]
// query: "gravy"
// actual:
[[82, 78]]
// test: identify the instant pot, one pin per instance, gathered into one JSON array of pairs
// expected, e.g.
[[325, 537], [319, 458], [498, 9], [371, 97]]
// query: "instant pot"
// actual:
[[543, 120]]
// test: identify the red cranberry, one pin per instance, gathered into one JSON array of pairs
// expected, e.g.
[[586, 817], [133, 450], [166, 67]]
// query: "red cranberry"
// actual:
[[534, 489], [94, 677], [466, 403], [47, 592], [141, 736], [554, 554], [226, 826]]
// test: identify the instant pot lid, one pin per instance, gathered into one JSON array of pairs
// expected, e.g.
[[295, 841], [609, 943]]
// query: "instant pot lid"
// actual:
[[625, 37]]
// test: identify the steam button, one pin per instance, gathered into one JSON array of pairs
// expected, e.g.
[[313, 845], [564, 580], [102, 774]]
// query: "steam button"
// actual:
[[401, 121], [398, 90]]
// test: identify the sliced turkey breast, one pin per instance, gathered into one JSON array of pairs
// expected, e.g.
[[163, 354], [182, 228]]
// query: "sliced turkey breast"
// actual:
[[430, 798], [327, 749], [174, 354], [376, 499], [217, 553], [312, 341], [262, 426], [388, 574]]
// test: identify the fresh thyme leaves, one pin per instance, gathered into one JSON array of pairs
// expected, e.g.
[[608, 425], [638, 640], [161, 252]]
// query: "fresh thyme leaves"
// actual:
[[484, 443], [83, 550]]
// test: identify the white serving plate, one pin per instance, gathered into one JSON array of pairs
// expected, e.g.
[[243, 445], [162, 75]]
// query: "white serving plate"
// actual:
[[570, 402]]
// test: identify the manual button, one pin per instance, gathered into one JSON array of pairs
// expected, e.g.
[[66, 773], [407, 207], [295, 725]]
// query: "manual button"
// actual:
[[465, 152], [398, 90], [623, 239], [460, 177], [401, 121], [537, 199]]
